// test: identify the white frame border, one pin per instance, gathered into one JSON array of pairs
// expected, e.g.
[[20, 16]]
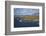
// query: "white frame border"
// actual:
[[26, 28]]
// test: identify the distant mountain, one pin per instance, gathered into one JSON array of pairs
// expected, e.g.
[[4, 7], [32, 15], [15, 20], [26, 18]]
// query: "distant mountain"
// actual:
[[35, 14]]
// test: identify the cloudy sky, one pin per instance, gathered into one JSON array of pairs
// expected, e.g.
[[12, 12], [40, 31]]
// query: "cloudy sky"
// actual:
[[26, 11]]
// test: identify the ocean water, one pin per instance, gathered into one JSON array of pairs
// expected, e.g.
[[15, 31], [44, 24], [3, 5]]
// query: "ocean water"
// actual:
[[21, 23]]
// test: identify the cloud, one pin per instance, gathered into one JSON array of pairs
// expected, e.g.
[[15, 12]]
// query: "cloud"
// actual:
[[26, 11]]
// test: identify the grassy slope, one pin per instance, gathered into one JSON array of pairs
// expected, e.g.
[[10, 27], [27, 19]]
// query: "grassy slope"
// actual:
[[30, 17]]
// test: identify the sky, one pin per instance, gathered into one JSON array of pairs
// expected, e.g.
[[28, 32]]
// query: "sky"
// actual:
[[26, 11]]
